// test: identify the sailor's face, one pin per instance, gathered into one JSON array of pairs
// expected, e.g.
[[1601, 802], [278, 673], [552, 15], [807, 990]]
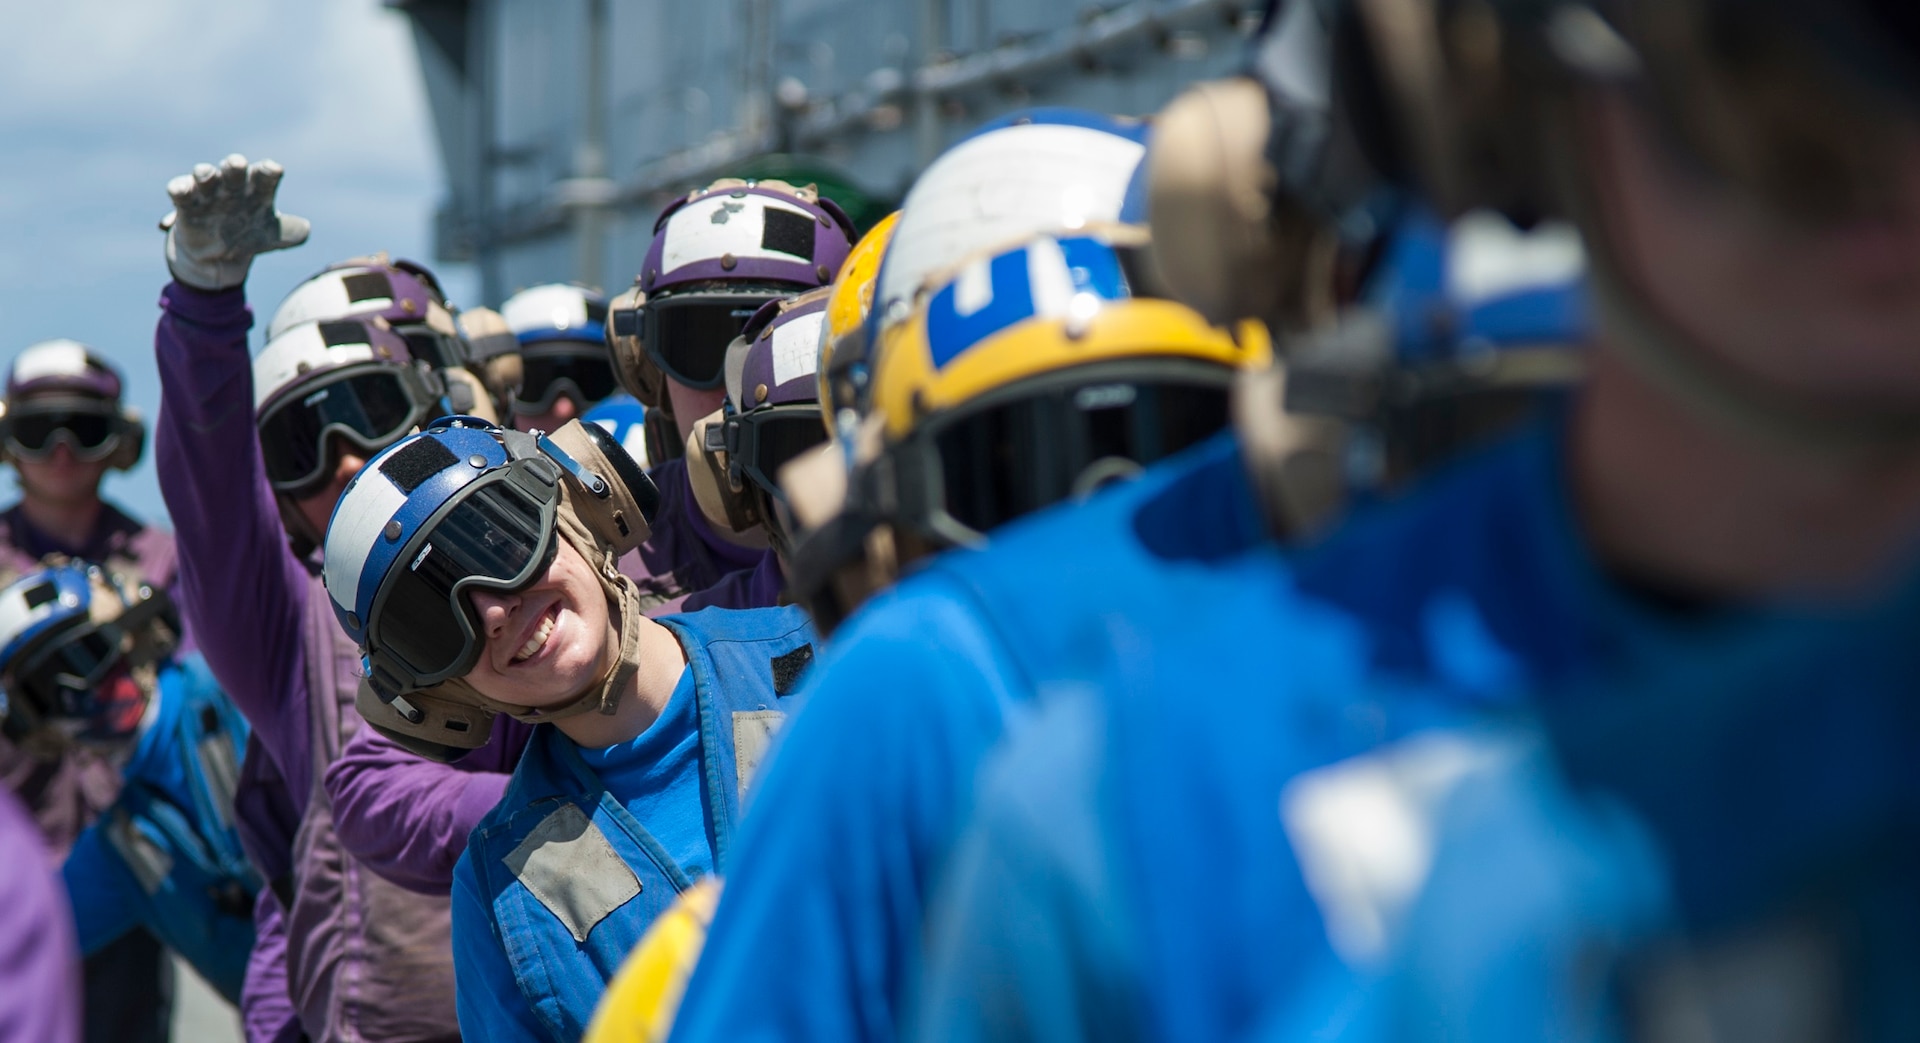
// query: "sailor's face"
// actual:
[[317, 508], [547, 643], [1829, 310]]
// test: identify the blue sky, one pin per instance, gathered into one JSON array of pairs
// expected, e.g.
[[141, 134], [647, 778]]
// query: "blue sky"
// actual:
[[109, 99]]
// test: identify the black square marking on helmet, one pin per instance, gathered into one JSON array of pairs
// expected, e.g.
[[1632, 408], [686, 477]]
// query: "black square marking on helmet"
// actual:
[[786, 232], [368, 286], [40, 595], [334, 334], [788, 668], [416, 462]]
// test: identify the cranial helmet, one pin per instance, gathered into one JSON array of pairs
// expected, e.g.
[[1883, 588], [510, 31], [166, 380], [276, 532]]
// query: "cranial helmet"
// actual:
[[409, 298], [1030, 376], [462, 505], [353, 381], [771, 417], [716, 257], [843, 336], [1040, 171], [64, 629], [62, 391], [561, 330]]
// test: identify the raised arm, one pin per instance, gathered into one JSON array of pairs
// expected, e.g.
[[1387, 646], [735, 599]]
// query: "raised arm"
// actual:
[[239, 584]]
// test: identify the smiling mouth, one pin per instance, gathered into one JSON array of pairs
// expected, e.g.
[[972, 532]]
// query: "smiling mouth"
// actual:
[[538, 639]]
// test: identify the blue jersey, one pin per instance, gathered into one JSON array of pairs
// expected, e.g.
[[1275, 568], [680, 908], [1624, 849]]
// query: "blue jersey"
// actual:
[[165, 855], [563, 877], [1307, 815]]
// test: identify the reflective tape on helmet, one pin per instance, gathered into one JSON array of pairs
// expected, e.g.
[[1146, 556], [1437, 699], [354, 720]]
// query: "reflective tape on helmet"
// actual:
[[796, 347], [747, 227], [1039, 280], [358, 521]]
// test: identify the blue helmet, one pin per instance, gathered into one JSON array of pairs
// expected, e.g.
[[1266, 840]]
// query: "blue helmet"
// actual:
[[466, 504], [59, 640], [562, 330]]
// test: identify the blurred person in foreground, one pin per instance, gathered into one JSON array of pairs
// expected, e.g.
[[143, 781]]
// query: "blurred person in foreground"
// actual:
[[1695, 579]]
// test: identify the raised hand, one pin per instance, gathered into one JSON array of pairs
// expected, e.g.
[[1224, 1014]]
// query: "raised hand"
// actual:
[[222, 218]]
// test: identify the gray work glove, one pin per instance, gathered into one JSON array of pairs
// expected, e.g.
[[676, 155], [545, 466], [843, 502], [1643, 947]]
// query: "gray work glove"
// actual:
[[222, 217]]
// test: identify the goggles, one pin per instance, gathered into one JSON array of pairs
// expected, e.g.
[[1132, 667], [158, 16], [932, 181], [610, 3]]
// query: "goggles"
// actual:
[[687, 334], [368, 406], [758, 444], [587, 376], [499, 534], [89, 431], [60, 680], [961, 475]]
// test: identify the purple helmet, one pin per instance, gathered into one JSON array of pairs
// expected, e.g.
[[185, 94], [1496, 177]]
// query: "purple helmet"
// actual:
[[404, 294], [747, 231], [772, 414], [64, 366]]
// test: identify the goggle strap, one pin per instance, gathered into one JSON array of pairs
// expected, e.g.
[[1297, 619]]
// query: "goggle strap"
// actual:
[[592, 482]]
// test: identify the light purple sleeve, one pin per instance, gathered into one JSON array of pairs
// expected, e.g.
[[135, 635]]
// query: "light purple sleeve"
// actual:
[[39, 966], [266, 1005], [239, 584], [406, 817]]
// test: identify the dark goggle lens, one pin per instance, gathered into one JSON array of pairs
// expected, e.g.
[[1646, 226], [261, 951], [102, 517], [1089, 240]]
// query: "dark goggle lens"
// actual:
[[689, 340], [375, 408], [771, 442], [995, 469], [591, 376], [36, 432], [496, 537], [62, 680]]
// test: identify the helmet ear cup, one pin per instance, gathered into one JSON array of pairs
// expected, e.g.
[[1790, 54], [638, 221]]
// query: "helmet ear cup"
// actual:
[[445, 731], [133, 441], [724, 505], [637, 373], [1225, 241], [624, 515]]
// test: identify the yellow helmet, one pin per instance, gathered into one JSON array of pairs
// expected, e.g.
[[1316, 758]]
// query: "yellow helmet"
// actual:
[[644, 995], [847, 308], [1027, 377]]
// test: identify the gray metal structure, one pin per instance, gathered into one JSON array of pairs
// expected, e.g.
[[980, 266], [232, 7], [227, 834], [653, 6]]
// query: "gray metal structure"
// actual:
[[566, 125]]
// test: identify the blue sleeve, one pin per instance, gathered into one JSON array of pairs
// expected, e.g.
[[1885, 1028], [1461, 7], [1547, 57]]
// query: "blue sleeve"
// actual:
[[1028, 938], [100, 889], [486, 996], [849, 818]]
